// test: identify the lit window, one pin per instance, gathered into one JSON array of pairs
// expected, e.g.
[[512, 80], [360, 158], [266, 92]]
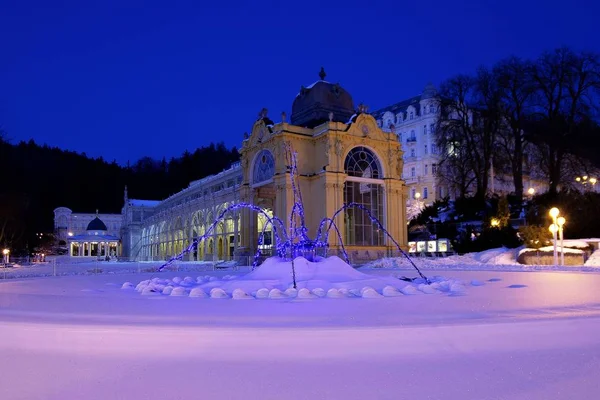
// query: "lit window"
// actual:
[[362, 164]]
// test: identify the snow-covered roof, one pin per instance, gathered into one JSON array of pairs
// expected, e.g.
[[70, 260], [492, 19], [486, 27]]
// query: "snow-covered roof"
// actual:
[[143, 203], [311, 86]]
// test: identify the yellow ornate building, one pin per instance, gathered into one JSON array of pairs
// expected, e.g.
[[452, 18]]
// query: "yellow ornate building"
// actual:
[[342, 157]]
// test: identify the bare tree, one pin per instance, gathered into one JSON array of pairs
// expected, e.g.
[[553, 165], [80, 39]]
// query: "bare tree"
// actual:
[[467, 128], [565, 87], [515, 84]]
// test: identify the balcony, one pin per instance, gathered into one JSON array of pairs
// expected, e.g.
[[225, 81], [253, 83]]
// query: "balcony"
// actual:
[[411, 140]]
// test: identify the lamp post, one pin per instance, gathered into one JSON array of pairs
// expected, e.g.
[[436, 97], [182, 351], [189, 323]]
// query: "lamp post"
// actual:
[[6, 253], [531, 191], [586, 180], [554, 212], [561, 222]]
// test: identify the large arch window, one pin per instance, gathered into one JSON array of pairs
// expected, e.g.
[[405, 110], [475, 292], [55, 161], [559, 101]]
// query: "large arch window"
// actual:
[[264, 167], [364, 186], [362, 163]]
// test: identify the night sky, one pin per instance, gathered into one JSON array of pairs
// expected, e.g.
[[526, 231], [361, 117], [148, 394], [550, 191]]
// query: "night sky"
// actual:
[[126, 79]]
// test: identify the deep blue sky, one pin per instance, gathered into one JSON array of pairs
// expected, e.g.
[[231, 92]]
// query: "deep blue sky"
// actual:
[[124, 79]]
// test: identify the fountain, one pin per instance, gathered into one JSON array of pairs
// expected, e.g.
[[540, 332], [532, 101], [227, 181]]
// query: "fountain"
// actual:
[[293, 241]]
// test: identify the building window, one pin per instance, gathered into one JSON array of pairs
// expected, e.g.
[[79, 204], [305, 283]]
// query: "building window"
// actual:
[[412, 152], [424, 192], [362, 163], [264, 167], [400, 137], [413, 172], [431, 108], [433, 149], [424, 129], [363, 186], [412, 115], [413, 192], [425, 149], [426, 169], [432, 128], [434, 169]]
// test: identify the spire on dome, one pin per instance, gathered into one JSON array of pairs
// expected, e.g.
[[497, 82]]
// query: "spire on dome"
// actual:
[[322, 74]]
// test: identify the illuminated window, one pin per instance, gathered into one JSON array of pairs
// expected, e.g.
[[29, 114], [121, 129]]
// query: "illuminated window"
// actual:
[[363, 186]]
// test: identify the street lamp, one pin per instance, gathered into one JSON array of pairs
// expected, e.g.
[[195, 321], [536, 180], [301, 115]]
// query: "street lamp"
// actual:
[[6, 253], [554, 212], [494, 222], [561, 222], [417, 196], [531, 191]]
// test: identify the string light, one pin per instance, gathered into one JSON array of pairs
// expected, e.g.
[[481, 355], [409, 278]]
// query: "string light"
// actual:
[[294, 241]]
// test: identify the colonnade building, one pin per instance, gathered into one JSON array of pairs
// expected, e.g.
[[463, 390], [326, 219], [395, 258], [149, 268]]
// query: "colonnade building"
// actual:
[[343, 156]]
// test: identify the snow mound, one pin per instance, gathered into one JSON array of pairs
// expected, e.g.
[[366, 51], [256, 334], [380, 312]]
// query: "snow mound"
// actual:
[[239, 294], [150, 291], [218, 293], [427, 289], [167, 290], [198, 292], [276, 294], [127, 285], [390, 291], [304, 293], [179, 291], [409, 289], [319, 292], [262, 293], [334, 294], [370, 293]]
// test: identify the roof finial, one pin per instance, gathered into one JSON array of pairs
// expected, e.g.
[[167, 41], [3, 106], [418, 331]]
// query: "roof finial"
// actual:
[[125, 196], [322, 74], [96, 213]]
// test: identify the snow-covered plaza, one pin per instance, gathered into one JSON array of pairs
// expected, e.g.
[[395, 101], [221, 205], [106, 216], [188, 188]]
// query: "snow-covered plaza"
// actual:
[[480, 331]]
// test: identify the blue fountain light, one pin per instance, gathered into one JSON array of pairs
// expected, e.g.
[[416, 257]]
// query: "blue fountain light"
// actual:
[[294, 241]]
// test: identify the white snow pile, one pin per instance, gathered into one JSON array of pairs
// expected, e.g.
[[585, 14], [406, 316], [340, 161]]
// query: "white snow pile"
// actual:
[[329, 278]]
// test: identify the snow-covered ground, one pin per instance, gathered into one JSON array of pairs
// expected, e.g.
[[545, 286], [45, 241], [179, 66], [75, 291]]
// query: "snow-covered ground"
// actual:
[[506, 335]]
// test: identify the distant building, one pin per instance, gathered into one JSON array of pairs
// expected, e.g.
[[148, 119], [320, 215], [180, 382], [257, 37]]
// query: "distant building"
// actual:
[[87, 234], [413, 121]]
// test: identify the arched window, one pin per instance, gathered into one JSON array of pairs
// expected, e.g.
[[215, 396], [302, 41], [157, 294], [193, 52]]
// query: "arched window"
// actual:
[[362, 163], [364, 186], [264, 167]]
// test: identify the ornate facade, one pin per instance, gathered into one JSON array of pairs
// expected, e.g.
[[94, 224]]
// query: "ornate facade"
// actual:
[[343, 156]]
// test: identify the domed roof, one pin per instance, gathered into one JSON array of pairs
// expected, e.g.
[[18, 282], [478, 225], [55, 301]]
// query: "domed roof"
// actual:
[[429, 92], [313, 105], [96, 225]]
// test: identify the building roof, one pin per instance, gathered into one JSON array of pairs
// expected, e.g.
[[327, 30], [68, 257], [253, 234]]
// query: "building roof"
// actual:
[[313, 105], [143, 203], [96, 225], [401, 106]]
